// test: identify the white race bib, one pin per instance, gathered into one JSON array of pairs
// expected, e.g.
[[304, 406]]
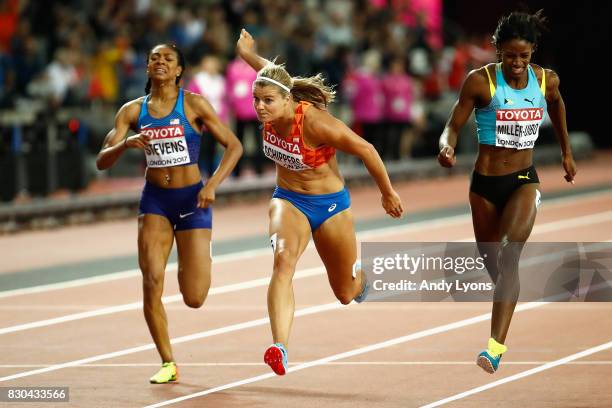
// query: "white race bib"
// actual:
[[287, 154], [518, 128], [167, 146]]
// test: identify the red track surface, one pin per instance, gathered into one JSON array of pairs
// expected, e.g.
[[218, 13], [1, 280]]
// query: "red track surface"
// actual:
[[412, 373]]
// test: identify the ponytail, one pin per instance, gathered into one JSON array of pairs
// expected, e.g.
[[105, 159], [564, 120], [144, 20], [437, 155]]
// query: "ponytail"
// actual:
[[311, 89]]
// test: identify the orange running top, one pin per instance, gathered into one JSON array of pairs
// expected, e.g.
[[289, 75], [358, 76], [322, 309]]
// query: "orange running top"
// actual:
[[291, 152]]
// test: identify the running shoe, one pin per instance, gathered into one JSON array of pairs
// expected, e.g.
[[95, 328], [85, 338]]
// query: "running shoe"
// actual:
[[366, 288], [276, 357], [167, 373], [487, 362]]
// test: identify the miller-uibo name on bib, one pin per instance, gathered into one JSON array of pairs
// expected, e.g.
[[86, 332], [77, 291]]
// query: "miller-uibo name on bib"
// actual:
[[518, 128], [167, 146], [287, 154]]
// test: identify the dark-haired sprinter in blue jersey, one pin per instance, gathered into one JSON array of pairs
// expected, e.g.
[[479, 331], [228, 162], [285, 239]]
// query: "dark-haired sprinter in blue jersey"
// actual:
[[175, 203], [510, 99]]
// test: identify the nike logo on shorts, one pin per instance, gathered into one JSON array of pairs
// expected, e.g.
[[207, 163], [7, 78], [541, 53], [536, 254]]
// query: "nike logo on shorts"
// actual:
[[331, 207], [186, 215]]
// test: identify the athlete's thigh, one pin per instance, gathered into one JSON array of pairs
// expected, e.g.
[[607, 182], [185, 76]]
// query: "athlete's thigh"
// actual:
[[289, 232], [485, 219], [194, 259], [337, 246], [155, 238], [519, 213]]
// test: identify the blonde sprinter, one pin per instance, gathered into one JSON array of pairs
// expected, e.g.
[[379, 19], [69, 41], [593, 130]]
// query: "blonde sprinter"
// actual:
[[301, 137]]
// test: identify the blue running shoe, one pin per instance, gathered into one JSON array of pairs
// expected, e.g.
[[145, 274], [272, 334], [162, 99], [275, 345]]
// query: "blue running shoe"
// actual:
[[366, 285], [276, 357], [364, 292], [487, 362]]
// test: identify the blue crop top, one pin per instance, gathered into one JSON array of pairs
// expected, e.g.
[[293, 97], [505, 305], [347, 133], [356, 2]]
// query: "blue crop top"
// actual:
[[173, 141], [513, 117]]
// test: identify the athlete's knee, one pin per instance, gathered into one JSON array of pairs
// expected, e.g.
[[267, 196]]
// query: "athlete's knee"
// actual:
[[284, 263], [345, 297], [152, 284], [510, 248], [194, 301]]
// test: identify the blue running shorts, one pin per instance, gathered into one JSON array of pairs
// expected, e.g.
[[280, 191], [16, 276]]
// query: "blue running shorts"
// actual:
[[316, 208], [178, 205]]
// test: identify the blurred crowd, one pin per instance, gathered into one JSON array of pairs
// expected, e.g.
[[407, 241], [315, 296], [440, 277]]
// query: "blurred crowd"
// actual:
[[392, 61]]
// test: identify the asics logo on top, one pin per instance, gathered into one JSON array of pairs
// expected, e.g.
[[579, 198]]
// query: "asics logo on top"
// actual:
[[508, 101], [331, 207], [530, 101], [186, 215], [526, 176]]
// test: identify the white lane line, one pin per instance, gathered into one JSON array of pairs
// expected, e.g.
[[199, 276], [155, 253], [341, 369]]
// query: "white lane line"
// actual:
[[223, 289], [110, 355], [355, 352], [130, 273], [208, 333], [306, 273], [331, 363], [548, 227], [368, 234], [579, 221], [573, 222], [520, 375]]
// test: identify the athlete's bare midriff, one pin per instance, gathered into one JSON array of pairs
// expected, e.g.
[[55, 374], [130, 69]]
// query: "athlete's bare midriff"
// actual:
[[325, 179], [498, 161], [174, 177]]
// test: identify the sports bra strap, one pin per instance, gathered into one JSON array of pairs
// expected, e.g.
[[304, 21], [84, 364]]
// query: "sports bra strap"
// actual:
[[491, 86]]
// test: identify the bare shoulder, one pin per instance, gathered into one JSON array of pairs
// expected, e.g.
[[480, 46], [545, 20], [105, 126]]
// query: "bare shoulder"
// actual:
[[479, 75], [197, 106], [477, 80], [552, 79], [193, 99], [476, 88], [318, 122], [130, 111], [552, 82]]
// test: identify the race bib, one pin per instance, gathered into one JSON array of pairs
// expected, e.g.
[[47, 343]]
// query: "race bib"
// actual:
[[283, 152], [167, 146], [518, 128]]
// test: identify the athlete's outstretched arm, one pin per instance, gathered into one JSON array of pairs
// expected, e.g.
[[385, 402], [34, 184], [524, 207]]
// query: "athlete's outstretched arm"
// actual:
[[459, 115], [224, 136], [245, 47], [116, 142], [556, 112], [323, 128]]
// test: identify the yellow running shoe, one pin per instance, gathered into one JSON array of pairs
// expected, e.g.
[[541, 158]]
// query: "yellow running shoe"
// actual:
[[167, 373]]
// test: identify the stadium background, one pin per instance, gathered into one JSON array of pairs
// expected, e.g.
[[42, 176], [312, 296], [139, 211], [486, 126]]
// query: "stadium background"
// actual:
[[66, 67]]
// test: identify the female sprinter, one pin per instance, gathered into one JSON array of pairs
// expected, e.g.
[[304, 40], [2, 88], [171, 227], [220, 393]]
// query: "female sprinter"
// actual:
[[509, 99], [175, 204], [301, 137]]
